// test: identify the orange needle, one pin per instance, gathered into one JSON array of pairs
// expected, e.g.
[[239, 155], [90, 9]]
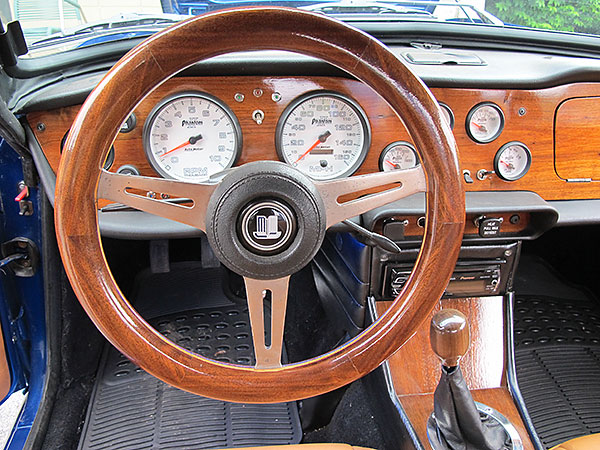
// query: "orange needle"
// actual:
[[481, 127], [190, 141], [176, 148], [321, 139], [309, 150], [391, 163]]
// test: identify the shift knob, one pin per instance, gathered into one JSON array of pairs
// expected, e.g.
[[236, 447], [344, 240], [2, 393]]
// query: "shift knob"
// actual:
[[449, 335]]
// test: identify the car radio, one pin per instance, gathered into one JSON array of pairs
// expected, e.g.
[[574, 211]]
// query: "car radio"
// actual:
[[479, 271], [466, 280]]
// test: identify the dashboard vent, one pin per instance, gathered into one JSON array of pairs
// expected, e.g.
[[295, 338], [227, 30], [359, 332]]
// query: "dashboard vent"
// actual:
[[443, 57]]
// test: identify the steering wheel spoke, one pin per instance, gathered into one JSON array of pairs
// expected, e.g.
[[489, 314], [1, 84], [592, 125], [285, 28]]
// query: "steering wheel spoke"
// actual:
[[282, 241], [267, 300], [399, 184], [133, 191]]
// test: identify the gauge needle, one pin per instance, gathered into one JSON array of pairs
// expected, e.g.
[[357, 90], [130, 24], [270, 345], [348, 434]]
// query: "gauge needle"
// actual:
[[508, 166], [395, 166], [481, 127], [320, 140], [190, 141]]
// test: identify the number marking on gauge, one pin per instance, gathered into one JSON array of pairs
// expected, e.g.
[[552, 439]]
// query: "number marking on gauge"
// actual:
[[485, 122], [324, 135], [397, 156], [512, 161], [187, 140]]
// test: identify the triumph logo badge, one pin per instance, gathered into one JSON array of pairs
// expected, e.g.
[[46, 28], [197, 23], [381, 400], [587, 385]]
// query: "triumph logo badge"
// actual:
[[267, 227]]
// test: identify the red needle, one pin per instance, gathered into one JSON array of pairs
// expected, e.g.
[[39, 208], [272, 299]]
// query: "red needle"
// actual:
[[391, 163], [478, 126], [506, 164], [176, 148], [309, 150], [190, 141], [320, 140]]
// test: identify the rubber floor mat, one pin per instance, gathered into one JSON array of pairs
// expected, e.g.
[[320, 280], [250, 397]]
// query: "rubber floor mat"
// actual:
[[557, 356], [130, 409]]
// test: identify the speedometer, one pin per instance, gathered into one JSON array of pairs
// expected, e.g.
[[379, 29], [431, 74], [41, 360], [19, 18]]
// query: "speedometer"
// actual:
[[323, 134], [191, 136]]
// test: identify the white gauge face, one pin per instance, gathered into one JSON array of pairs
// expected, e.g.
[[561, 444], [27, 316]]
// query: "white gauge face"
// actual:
[[191, 136], [485, 122], [448, 115], [512, 161], [324, 135], [399, 155]]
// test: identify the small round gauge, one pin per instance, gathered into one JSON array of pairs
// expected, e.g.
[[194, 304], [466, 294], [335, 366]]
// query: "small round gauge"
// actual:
[[191, 136], [485, 122], [398, 155], [110, 158], [323, 134], [512, 161], [448, 114]]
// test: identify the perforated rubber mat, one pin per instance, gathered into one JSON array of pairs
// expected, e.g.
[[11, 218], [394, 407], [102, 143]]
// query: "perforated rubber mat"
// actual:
[[131, 409], [557, 356]]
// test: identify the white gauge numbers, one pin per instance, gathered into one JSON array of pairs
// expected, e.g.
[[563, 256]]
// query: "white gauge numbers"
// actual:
[[512, 161], [191, 136], [324, 135]]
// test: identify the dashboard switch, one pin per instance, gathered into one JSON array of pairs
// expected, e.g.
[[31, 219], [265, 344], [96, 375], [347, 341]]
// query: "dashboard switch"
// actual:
[[467, 176], [489, 227]]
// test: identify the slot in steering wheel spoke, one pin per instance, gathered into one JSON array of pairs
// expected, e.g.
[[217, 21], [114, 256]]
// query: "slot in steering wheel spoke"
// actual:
[[408, 182], [267, 335], [132, 191]]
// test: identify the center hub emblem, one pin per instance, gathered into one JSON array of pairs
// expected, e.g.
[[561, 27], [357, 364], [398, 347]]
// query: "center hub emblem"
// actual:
[[267, 227]]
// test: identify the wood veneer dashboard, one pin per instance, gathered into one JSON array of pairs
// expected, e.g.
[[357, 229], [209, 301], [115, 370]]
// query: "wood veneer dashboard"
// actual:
[[529, 117]]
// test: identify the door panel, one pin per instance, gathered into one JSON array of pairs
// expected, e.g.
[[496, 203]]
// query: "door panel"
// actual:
[[4, 371]]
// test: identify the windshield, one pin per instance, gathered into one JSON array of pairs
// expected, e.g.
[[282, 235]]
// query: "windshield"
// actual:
[[52, 26]]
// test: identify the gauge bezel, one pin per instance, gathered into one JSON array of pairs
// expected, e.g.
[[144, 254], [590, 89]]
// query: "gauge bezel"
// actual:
[[173, 97], [110, 158], [362, 116], [470, 115], [445, 107], [388, 147], [497, 161]]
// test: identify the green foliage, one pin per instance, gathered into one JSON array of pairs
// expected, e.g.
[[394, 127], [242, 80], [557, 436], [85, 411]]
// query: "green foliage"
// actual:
[[581, 16]]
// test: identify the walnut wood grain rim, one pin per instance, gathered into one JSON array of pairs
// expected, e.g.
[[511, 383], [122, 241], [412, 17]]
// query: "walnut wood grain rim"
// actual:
[[151, 63]]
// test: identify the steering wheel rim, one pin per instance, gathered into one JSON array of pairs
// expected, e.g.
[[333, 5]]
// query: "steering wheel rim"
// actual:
[[80, 179]]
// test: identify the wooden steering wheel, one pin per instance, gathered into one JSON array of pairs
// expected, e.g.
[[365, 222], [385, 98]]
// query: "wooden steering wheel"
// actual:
[[312, 206]]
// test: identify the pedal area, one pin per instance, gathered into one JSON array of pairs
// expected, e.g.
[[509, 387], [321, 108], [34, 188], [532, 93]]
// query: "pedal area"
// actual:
[[130, 409]]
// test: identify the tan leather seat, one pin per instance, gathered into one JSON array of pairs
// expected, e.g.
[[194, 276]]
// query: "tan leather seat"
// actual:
[[590, 442], [306, 447]]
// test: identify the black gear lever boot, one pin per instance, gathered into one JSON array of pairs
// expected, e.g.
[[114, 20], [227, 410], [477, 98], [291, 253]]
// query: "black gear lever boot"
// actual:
[[456, 423]]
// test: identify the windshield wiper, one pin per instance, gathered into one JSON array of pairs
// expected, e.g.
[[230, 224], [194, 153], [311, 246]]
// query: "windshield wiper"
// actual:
[[123, 23]]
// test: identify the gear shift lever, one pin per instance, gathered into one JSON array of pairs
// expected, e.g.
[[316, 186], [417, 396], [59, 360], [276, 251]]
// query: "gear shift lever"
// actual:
[[455, 423], [450, 336]]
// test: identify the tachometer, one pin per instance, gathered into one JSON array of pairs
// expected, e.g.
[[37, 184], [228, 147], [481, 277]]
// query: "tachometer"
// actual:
[[324, 135], [191, 136]]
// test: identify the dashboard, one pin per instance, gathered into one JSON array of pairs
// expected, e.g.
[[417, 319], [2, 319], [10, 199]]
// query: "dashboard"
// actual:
[[508, 139]]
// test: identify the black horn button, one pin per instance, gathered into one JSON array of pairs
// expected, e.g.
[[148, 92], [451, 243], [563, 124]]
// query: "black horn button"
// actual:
[[265, 220], [266, 227]]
